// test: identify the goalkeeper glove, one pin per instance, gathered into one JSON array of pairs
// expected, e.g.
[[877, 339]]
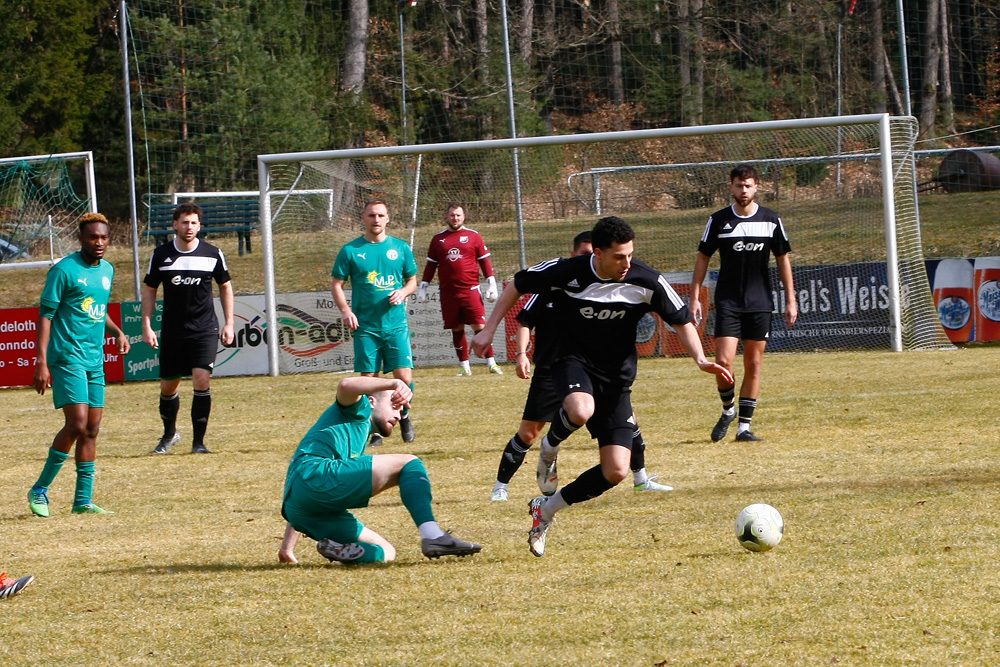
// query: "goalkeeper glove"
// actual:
[[422, 293], [491, 289]]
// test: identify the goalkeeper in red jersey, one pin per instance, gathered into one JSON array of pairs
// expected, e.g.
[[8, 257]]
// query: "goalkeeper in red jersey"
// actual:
[[457, 254]]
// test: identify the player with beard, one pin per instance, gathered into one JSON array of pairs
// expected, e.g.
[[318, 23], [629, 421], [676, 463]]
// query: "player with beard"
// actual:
[[457, 254], [745, 234], [331, 474], [597, 302], [189, 334]]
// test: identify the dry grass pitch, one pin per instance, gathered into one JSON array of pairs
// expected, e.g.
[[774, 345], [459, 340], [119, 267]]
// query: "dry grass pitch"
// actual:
[[884, 466]]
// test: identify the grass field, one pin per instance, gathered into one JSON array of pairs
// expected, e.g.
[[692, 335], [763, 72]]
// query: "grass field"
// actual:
[[884, 466]]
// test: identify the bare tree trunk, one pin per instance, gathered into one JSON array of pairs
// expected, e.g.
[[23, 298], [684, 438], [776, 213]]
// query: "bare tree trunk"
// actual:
[[353, 80], [482, 42], [548, 48], [691, 58], [897, 99], [615, 69], [684, 61], [876, 57], [527, 28], [945, 98], [931, 65]]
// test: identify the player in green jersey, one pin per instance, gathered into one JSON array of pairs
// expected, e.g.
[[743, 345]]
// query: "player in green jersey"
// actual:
[[70, 345], [331, 474], [382, 274]]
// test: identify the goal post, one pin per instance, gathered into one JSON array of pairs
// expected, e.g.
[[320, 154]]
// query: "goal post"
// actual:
[[42, 197], [844, 187]]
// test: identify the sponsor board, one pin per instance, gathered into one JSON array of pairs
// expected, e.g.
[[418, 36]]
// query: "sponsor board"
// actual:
[[18, 332], [247, 354]]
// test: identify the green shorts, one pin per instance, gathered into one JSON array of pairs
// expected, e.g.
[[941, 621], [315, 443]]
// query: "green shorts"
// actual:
[[319, 493], [382, 351], [75, 384]]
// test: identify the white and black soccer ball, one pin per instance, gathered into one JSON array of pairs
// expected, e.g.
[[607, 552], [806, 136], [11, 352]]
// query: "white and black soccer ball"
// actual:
[[759, 527]]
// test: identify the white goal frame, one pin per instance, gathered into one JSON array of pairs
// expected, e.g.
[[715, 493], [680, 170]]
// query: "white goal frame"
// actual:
[[885, 153]]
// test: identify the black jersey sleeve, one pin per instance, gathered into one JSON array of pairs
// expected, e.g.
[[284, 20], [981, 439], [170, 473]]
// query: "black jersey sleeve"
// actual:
[[153, 278], [221, 273]]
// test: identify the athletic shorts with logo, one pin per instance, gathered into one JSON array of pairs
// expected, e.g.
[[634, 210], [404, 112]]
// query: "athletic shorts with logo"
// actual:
[[180, 355], [747, 326], [319, 492], [382, 351], [76, 385], [462, 307], [610, 423]]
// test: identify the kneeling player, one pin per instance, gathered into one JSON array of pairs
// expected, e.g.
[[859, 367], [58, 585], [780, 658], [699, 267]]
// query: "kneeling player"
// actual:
[[330, 474]]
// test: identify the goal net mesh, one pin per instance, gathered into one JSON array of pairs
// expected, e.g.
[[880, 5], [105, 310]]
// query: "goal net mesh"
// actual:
[[41, 201], [825, 182]]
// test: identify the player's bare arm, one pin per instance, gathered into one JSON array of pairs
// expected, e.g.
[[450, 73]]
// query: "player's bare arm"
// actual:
[[148, 309], [691, 342], [700, 271], [121, 340], [340, 298], [228, 306], [521, 340], [350, 390], [43, 377], [484, 338], [785, 273], [398, 296]]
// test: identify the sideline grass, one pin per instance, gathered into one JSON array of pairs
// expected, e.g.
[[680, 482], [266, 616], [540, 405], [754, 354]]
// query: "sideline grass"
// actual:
[[883, 465]]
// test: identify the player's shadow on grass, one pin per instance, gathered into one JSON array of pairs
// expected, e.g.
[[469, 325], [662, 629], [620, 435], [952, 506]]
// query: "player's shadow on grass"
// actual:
[[194, 568]]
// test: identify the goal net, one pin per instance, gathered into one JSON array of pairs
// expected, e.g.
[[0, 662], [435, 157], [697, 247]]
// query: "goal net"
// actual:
[[844, 188], [41, 200]]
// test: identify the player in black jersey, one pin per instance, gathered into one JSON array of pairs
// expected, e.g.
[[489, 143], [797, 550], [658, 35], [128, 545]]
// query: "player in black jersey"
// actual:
[[745, 234], [189, 335], [597, 301], [543, 401]]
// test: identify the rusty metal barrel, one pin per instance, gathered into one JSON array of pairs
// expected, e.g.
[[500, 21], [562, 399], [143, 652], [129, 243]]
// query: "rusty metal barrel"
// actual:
[[969, 171]]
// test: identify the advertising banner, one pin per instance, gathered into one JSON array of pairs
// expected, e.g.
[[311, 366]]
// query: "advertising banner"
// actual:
[[840, 306], [247, 354], [18, 331], [142, 362], [312, 336]]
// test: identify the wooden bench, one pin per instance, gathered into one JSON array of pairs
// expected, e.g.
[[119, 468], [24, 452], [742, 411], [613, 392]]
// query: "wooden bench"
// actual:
[[239, 216]]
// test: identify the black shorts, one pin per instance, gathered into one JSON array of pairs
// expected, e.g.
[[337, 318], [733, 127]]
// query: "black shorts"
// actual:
[[611, 421], [543, 401], [178, 356], [746, 326]]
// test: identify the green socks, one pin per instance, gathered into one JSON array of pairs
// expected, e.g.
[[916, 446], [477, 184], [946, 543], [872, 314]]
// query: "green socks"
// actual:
[[415, 491], [53, 464], [84, 483]]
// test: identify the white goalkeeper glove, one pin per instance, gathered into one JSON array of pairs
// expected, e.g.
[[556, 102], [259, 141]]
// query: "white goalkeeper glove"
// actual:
[[491, 289], [422, 293]]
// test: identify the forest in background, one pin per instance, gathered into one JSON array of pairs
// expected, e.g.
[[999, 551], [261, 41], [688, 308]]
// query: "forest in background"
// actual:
[[214, 83]]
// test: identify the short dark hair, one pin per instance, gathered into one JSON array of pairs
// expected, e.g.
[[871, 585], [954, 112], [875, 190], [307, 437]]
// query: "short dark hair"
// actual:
[[743, 172], [452, 207], [611, 230], [188, 208], [580, 239], [372, 202], [89, 218]]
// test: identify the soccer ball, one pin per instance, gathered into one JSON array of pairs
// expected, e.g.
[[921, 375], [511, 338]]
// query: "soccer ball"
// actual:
[[759, 527]]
